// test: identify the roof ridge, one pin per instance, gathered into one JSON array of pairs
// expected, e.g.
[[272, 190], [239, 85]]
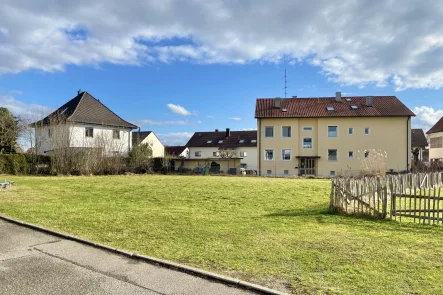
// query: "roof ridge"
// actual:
[[76, 107]]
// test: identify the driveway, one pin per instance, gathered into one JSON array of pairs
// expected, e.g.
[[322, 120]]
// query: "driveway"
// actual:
[[32, 262]]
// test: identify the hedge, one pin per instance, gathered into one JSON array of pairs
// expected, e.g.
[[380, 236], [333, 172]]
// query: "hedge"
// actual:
[[24, 164]]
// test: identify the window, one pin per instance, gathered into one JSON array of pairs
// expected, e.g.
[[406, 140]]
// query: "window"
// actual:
[[285, 172], [367, 131], [437, 142], [220, 141], [243, 165], [333, 131], [332, 155], [286, 131], [198, 154], [116, 134], [354, 107], [242, 141], [307, 142], [332, 173], [286, 155], [307, 128], [350, 131], [209, 141], [330, 109], [269, 172], [366, 154], [253, 141], [350, 155], [269, 155], [89, 132], [243, 154], [215, 154], [269, 131]]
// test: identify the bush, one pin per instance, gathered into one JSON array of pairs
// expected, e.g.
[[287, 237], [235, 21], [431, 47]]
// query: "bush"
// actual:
[[24, 164]]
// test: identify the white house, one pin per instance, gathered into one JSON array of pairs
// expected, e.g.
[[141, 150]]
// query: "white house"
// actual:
[[83, 122], [178, 151], [436, 141], [225, 150], [149, 137]]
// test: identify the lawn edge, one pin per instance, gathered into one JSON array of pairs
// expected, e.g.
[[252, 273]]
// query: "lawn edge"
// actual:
[[152, 260]]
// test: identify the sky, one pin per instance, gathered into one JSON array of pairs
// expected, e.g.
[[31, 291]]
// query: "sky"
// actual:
[[180, 66]]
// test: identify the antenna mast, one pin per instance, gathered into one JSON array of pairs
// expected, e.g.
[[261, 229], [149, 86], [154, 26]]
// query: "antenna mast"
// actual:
[[285, 84]]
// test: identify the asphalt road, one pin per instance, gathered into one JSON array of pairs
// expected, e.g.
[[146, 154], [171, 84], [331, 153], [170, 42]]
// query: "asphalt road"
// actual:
[[35, 263]]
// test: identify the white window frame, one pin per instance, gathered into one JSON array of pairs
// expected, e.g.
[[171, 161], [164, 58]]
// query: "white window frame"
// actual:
[[327, 131], [351, 158], [243, 154], [303, 143], [115, 131], [244, 165], [351, 128], [369, 131], [273, 154], [290, 155], [290, 131], [327, 155], [273, 132], [86, 132], [195, 154], [311, 128], [215, 154]]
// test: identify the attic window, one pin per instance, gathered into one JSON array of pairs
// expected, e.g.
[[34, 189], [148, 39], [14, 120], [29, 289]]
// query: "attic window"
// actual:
[[253, 141], [354, 107], [330, 109], [284, 110], [220, 141], [209, 141], [242, 141], [348, 99]]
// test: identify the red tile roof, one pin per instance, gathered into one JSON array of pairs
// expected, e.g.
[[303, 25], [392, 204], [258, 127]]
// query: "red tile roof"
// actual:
[[212, 139], [315, 107], [438, 127]]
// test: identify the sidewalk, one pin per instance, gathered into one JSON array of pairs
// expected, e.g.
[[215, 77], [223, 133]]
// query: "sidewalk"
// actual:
[[32, 262]]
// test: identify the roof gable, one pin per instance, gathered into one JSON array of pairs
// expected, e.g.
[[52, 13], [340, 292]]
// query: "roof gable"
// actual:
[[175, 150], [317, 107], [139, 136], [438, 127], [84, 108], [418, 138], [220, 140]]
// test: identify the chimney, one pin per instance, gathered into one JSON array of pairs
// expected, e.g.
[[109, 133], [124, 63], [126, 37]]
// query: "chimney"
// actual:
[[369, 101], [228, 132], [216, 130], [277, 102], [79, 91], [338, 96]]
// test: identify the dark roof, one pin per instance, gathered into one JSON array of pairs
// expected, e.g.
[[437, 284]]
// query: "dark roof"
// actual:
[[201, 139], [438, 127], [315, 107], [84, 108], [418, 138], [174, 150], [138, 137]]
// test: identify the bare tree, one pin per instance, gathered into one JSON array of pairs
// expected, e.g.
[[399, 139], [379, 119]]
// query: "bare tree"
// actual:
[[141, 157], [166, 162], [227, 154]]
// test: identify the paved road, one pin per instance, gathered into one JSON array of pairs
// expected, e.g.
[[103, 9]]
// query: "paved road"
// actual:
[[34, 263]]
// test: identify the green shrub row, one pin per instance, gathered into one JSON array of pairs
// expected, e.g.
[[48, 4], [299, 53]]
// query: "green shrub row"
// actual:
[[24, 164]]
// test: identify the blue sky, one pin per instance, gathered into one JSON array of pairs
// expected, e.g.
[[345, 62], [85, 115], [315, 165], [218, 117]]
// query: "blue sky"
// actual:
[[178, 68]]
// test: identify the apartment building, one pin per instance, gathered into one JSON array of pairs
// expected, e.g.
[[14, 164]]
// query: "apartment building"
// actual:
[[436, 141], [330, 136]]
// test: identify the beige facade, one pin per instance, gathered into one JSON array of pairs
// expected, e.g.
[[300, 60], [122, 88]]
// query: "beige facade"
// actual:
[[311, 150], [225, 164], [158, 150], [436, 146], [248, 155]]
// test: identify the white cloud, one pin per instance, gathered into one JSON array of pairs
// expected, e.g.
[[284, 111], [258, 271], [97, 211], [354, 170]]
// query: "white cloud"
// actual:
[[178, 138], [178, 109], [235, 118], [426, 117], [210, 117], [28, 112], [143, 123], [357, 42]]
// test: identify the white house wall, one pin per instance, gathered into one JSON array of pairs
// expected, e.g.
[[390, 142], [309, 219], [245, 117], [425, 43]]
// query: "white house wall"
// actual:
[[158, 149], [207, 152]]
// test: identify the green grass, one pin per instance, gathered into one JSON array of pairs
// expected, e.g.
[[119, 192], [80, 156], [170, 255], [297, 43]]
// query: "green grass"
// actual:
[[274, 232]]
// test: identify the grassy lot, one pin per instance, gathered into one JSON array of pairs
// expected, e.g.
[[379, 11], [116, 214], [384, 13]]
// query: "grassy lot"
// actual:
[[274, 232]]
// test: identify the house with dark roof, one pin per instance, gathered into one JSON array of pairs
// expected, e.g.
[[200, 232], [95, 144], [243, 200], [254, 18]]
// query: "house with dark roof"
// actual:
[[149, 137], [330, 136], [419, 144], [436, 141], [226, 151], [83, 122], [177, 151]]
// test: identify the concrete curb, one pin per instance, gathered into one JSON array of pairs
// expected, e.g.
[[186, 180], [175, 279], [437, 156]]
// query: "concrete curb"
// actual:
[[153, 260]]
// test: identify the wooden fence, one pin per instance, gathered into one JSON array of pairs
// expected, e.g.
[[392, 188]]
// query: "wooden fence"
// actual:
[[408, 197]]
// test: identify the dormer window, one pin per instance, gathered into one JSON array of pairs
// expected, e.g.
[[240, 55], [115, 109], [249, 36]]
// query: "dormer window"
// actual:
[[220, 141], [354, 107], [242, 141], [253, 141], [348, 99], [209, 141], [330, 109]]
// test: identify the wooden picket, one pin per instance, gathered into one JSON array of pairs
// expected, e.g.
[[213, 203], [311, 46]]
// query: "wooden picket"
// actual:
[[407, 197]]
